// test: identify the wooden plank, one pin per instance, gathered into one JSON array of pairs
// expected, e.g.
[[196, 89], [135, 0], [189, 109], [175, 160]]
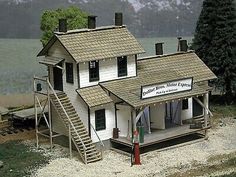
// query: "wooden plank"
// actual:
[[159, 136]]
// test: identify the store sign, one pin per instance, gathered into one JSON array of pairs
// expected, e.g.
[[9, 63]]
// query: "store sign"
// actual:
[[149, 91]]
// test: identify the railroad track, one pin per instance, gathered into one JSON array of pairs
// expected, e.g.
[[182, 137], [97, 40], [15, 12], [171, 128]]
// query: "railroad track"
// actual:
[[13, 130]]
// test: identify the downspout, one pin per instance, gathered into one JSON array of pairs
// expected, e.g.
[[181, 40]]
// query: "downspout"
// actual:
[[116, 115], [89, 123]]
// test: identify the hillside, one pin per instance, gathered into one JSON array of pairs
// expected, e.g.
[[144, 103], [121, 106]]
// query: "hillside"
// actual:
[[145, 18]]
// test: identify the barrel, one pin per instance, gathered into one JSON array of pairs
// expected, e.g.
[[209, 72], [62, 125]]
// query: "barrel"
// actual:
[[115, 133]]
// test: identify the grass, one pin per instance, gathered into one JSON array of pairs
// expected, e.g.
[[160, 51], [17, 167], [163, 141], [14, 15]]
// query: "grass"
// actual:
[[18, 160], [215, 163], [222, 111]]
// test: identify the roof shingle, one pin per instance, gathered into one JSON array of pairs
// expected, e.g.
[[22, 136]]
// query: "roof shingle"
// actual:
[[94, 96], [98, 44]]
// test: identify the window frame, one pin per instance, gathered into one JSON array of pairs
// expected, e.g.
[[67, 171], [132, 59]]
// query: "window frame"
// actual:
[[100, 115], [93, 71], [69, 73], [122, 68]]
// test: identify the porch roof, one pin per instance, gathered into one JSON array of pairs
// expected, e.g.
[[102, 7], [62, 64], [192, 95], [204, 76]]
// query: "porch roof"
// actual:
[[94, 96], [50, 60], [131, 94], [162, 69]]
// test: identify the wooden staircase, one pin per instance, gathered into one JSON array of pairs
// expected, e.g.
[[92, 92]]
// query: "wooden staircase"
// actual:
[[79, 134]]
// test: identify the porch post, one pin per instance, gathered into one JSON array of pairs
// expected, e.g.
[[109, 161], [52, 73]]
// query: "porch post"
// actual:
[[70, 145], [49, 115], [134, 119], [206, 104]]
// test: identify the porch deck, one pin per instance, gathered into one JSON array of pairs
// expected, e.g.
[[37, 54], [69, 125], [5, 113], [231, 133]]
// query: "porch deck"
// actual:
[[158, 136]]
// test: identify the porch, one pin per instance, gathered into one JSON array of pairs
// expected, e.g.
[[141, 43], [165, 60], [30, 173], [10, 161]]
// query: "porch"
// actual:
[[160, 136]]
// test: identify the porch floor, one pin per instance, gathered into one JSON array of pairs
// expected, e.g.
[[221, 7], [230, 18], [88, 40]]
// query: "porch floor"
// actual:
[[158, 136]]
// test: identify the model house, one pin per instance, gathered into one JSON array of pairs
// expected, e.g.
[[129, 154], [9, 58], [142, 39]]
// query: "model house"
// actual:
[[100, 91]]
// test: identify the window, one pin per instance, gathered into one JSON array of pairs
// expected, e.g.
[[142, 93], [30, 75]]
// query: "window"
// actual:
[[184, 104], [100, 119], [69, 73], [93, 71], [122, 66]]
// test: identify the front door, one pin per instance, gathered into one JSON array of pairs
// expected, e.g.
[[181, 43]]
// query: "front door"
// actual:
[[57, 77]]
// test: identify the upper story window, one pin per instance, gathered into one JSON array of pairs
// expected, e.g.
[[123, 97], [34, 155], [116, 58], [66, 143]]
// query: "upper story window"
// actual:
[[93, 71], [122, 66], [69, 73]]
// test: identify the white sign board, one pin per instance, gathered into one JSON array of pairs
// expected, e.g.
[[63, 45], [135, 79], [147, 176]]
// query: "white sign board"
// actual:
[[166, 88]]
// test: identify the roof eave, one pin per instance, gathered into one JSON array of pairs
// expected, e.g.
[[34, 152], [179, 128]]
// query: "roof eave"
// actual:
[[45, 49]]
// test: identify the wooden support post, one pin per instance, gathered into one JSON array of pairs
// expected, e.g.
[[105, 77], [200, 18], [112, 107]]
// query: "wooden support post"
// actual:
[[49, 116], [36, 116], [205, 102], [70, 146]]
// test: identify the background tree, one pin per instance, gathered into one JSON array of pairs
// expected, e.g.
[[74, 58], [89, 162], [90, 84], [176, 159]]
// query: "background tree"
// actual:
[[49, 21], [215, 42]]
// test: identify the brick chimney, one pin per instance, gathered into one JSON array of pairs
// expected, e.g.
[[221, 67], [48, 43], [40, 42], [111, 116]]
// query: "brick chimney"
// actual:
[[62, 25], [118, 19], [92, 22], [183, 45], [159, 48]]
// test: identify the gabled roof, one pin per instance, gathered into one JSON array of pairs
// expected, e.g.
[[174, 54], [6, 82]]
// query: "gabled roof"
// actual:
[[96, 44], [181, 65]]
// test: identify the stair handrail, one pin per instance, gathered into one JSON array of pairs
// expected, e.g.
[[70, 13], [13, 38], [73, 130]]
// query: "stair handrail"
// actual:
[[67, 118], [97, 135]]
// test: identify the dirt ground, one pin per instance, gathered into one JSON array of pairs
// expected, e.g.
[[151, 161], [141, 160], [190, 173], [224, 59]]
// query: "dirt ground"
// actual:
[[25, 135], [199, 159]]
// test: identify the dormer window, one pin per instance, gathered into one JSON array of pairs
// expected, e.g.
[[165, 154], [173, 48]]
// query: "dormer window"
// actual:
[[93, 71], [122, 66]]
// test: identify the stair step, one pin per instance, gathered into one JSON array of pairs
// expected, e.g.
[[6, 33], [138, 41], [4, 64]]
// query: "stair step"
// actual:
[[92, 153], [87, 145], [91, 150], [85, 141], [79, 132], [94, 160], [63, 103]]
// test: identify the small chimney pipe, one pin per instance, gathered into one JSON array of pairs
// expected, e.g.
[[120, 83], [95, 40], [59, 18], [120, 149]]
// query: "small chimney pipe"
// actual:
[[183, 45], [63, 25], [178, 48], [159, 48], [92, 22], [118, 19]]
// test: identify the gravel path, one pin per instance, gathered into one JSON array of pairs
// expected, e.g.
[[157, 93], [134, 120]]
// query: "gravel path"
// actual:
[[221, 141]]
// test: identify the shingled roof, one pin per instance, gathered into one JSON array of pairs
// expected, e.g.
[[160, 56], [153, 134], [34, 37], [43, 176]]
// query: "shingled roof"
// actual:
[[94, 96], [96, 44], [161, 69]]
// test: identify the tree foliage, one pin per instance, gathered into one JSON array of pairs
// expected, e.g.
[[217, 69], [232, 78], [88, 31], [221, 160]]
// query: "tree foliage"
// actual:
[[49, 21], [215, 42]]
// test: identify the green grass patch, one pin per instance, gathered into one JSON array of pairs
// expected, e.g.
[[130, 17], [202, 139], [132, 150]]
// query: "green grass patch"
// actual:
[[229, 175], [19, 160]]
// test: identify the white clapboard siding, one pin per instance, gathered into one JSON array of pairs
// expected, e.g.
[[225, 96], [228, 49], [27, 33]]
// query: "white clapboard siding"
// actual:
[[107, 71], [188, 113], [110, 122], [70, 89]]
